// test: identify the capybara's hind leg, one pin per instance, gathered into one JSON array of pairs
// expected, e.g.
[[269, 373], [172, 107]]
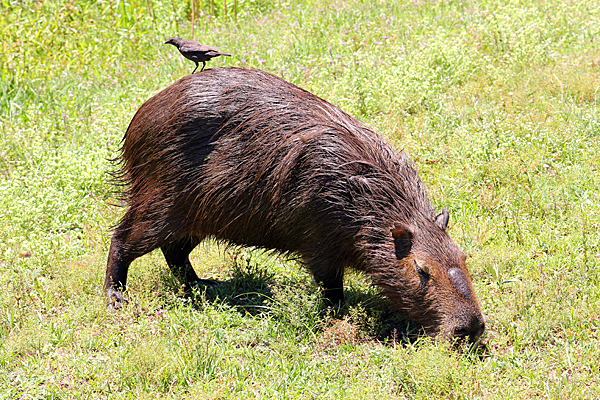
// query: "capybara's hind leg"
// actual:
[[133, 238], [177, 255], [116, 271]]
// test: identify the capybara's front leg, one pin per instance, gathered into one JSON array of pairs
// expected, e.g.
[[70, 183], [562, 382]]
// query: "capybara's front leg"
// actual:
[[331, 279]]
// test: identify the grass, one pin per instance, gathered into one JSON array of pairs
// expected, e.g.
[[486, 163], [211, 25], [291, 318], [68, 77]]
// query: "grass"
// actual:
[[495, 101]]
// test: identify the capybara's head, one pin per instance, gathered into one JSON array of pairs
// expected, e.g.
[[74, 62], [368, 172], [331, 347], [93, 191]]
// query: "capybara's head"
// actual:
[[431, 283]]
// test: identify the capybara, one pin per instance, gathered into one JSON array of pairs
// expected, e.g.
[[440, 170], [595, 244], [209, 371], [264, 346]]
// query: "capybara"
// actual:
[[252, 160]]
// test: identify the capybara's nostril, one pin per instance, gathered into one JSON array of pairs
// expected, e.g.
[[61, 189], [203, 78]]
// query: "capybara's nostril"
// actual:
[[479, 332]]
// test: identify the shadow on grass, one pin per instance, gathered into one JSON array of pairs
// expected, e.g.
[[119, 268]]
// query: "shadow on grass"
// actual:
[[255, 290], [249, 290], [368, 309]]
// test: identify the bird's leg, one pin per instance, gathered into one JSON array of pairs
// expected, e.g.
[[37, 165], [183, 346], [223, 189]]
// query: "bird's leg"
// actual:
[[203, 65], [196, 67]]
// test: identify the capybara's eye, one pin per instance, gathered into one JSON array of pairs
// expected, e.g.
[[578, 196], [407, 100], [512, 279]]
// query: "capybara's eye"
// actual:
[[422, 271]]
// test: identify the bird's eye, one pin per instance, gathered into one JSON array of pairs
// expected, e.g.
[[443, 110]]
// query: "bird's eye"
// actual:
[[422, 270]]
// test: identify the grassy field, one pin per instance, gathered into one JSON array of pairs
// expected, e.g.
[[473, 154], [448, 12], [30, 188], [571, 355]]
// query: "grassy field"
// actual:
[[496, 102]]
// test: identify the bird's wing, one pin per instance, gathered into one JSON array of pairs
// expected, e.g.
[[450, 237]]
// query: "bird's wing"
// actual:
[[190, 46]]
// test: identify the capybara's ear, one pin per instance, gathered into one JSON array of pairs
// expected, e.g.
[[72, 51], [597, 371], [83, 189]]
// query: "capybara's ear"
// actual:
[[442, 219], [402, 240]]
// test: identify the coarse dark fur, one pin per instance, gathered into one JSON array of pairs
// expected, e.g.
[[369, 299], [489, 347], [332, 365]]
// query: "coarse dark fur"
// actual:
[[248, 158]]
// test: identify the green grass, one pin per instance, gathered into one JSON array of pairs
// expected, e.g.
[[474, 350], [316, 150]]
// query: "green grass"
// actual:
[[495, 101]]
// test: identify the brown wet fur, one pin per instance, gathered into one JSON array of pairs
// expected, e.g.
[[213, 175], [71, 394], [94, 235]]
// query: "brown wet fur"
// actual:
[[250, 159]]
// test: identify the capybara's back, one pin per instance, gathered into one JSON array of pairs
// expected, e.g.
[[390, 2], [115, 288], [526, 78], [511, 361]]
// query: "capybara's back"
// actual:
[[248, 158]]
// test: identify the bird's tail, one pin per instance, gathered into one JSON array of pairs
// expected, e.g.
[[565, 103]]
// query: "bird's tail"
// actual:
[[225, 54]]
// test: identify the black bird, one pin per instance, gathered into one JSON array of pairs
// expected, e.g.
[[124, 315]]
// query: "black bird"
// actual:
[[195, 51]]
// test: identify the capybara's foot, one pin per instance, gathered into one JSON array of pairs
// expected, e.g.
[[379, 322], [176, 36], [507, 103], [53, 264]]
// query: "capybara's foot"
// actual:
[[333, 297], [116, 299]]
